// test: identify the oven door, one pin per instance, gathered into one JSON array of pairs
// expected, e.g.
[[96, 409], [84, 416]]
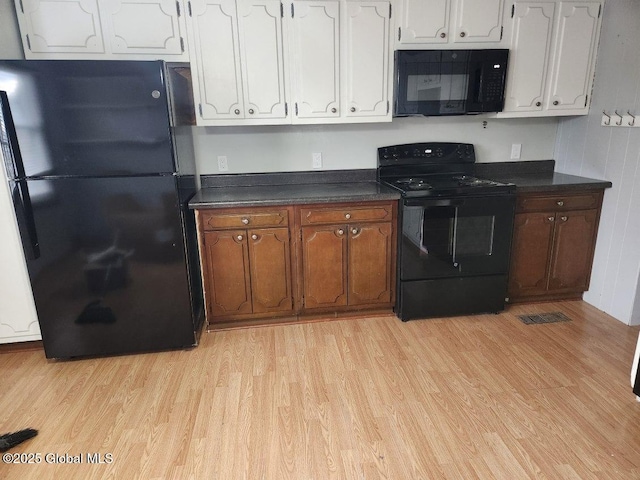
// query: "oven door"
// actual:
[[455, 237]]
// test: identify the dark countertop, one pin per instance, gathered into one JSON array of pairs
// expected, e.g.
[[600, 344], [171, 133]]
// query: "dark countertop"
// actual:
[[232, 196], [291, 188]]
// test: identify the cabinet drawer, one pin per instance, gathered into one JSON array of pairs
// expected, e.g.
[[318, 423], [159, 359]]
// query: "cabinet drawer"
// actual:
[[345, 214], [215, 220], [584, 201]]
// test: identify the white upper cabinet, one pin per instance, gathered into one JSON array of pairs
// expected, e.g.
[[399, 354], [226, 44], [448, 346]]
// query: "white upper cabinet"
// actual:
[[552, 58], [315, 54], [102, 29], [449, 23], [237, 62]]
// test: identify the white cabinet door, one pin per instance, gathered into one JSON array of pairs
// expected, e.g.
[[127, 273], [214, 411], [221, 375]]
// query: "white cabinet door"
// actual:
[[424, 21], [143, 26], [217, 85], [529, 56], [59, 26], [578, 29], [315, 59], [478, 21], [262, 60], [367, 60]]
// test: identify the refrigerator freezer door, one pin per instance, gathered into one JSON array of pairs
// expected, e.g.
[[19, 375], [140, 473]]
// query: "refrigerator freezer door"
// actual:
[[89, 118], [111, 277]]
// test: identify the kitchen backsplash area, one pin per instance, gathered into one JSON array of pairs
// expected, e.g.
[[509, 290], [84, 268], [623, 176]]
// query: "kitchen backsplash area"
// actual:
[[353, 146]]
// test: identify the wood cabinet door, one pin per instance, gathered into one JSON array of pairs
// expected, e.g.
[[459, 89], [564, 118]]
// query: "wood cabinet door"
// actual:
[[573, 65], [530, 252], [367, 60], [227, 281], [369, 272], [529, 56], [60, 26], [262, 61], [315, 51], [424, 22], [270, 264], [143, 27], [478, 21], [217, 86], [324, 260], [575, 236]]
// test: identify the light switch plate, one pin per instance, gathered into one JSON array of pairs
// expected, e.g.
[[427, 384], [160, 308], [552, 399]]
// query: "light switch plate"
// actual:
[[516, 149], [316, 160]]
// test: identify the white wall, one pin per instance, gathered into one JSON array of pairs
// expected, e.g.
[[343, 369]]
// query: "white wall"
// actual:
[[586, 148], [10, 45], [289, 148]]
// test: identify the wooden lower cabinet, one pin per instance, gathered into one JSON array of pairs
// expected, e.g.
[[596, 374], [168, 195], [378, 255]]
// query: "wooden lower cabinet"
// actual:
[[553, 244], [263, 264]]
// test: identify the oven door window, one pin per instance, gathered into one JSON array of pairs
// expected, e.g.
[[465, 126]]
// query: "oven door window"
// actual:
[[469, 237]]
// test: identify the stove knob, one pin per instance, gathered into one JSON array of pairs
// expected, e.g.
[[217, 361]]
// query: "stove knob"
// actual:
[[439, 152]]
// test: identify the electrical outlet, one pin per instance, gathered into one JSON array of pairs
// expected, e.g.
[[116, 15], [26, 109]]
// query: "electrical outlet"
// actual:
[[223, 164], [317, 160], [516, 148]]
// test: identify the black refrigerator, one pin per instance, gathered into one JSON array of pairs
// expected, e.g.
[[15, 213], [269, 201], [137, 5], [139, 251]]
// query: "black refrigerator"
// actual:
[[100, 176]]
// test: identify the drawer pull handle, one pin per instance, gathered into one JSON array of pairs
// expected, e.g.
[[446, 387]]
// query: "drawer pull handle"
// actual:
[[239, 237], [245, 221], [564, 219], [254, 237], [560, 203], [347, 216], [551, 219], [340, 232]]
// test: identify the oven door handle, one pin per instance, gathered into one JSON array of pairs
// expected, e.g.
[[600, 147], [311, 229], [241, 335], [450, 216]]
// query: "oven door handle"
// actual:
[[435, 202]]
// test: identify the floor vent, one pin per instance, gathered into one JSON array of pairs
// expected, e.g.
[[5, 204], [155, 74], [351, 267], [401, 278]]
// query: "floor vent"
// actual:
[[544, 318]]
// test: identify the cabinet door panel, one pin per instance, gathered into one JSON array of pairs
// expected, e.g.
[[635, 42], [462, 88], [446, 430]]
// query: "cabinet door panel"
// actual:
[[217, 86], [370, 263], [270, 260], [316, 52], [530, 251], [528, 63], [228, 275], [261, 51], [573, 250], [367, 59], [324, 257], [142, 26], [576, 41], [62, 26], [478, 21], [425, 22]]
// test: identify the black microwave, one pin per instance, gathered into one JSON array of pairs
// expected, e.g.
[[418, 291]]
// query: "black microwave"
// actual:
[[449, 82]]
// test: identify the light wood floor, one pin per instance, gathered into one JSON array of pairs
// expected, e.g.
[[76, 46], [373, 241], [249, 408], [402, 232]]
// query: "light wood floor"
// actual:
[[471, 397]]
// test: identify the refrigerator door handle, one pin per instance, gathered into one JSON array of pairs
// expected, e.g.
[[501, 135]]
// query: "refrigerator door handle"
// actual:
[[22, 200], [9, 138]]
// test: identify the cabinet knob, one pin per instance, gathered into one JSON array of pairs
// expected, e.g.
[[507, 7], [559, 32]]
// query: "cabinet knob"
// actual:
[[340, 232], [254, 237], [347, 216], [443, 35], [560, 203], [245, 221], [239, 237], [556, 102], [354, 231], [564, 219], [334, 110], [251, 111], [462, 34], [353, 109], [538, 104], [236, 111], [551, 219]]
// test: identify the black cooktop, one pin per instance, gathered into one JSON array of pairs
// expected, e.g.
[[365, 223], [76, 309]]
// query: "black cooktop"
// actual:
[[434, 169]]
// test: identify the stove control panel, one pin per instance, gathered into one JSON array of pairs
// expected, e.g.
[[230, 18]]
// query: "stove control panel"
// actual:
[[441, 152]]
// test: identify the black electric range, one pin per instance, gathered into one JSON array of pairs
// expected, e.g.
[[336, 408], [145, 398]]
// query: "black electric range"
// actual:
[[454, 230]]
